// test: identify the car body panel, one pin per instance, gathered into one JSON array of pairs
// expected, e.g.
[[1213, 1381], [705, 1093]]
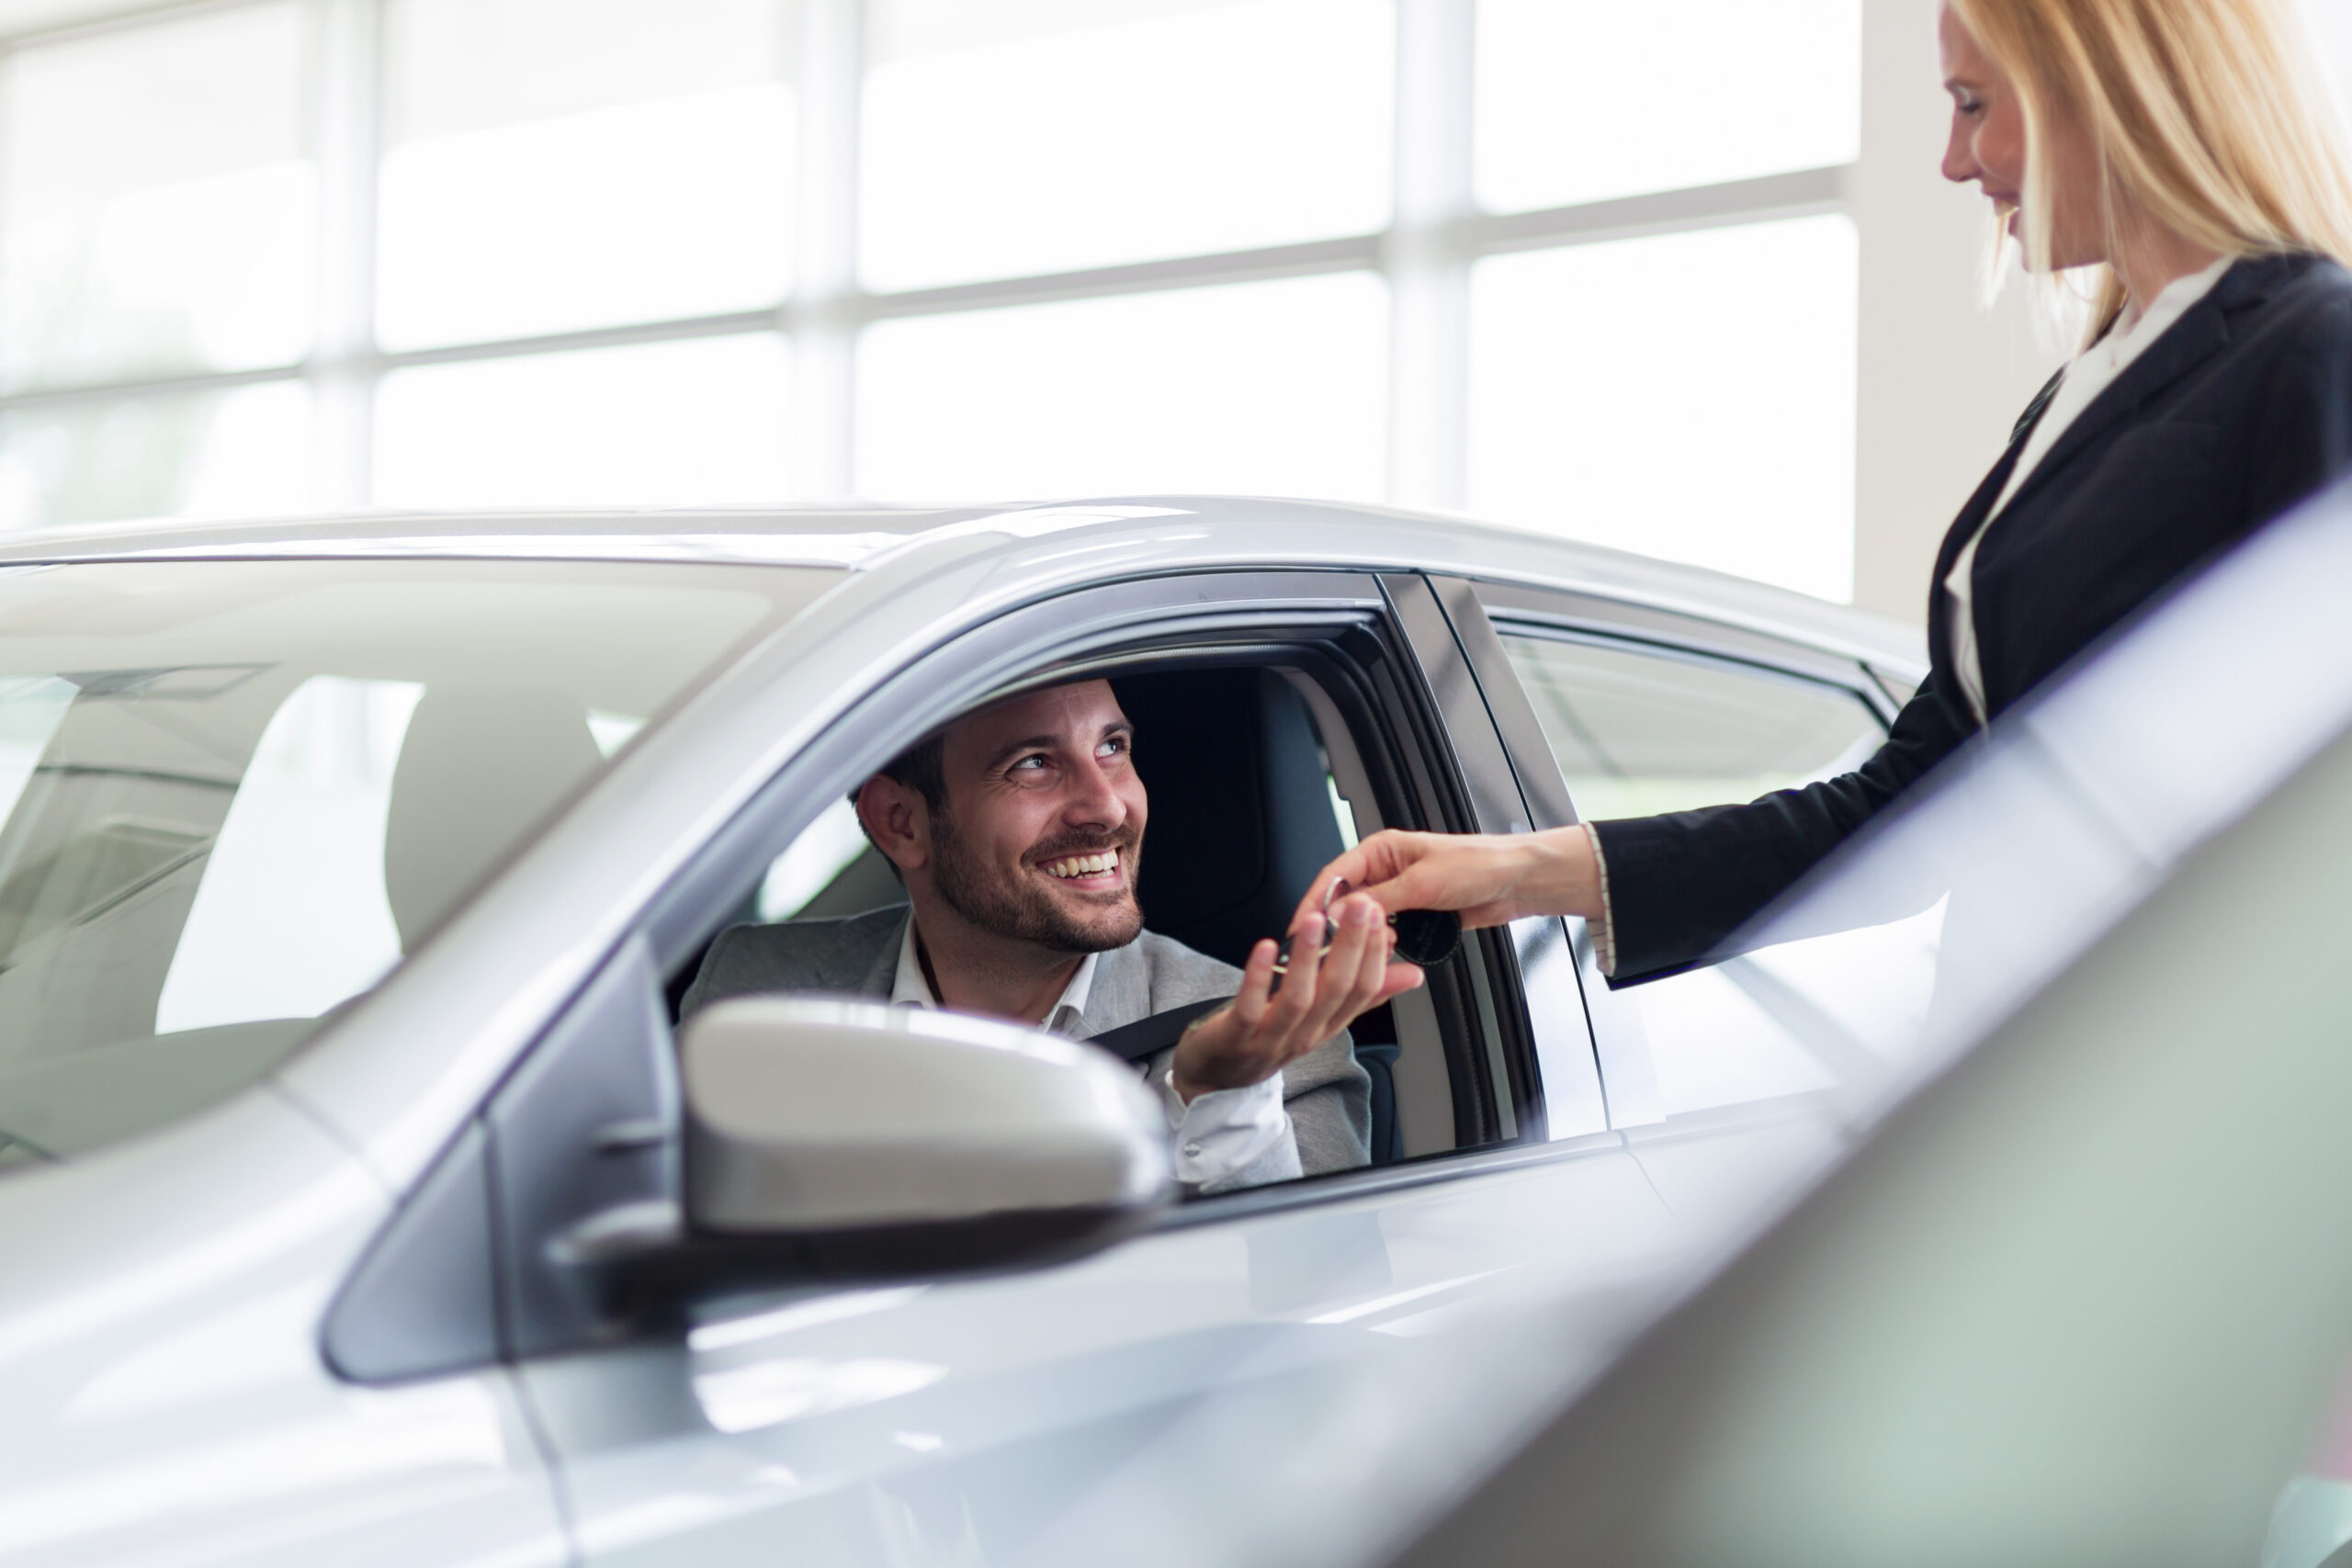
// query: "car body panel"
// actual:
[[963, 1421], [165, 1400]]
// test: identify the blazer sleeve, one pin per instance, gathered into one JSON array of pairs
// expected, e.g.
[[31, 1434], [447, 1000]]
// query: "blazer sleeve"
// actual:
[[1329, 1096], [732, 968], [1679, 884]]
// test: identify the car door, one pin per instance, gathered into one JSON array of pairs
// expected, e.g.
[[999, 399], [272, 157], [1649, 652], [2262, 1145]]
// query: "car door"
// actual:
[[1731, 1079], [1263, 1349]]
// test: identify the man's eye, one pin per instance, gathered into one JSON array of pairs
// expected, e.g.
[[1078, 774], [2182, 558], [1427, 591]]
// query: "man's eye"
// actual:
[[1030, 764], [1111, 748]]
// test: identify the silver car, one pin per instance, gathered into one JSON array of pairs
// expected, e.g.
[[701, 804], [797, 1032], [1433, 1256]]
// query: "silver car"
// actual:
[[356, 1205]]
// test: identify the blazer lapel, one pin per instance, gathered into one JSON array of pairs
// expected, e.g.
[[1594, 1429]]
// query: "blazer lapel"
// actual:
[[1122, 992], [1972, 518], [2199, 334]]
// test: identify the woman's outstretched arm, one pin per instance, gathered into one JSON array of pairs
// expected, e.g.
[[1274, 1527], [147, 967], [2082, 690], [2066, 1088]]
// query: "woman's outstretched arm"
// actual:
[[1491, 879]]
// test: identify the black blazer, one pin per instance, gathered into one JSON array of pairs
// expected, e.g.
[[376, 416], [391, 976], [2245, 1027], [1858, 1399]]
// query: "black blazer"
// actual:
[[2243, 408]]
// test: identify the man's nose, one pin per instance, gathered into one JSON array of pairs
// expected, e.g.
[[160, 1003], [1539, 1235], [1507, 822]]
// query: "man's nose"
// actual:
[[1093, 801]]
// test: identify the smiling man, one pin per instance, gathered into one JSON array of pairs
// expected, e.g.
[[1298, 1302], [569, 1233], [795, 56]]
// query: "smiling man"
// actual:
[[1018, 831]]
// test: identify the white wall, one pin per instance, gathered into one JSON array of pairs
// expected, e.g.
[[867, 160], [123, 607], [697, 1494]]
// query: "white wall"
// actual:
[[1941, 377]]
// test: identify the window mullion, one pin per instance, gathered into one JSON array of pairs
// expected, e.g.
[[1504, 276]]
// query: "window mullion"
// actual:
[[346, 141], [823, 314], [1429, 274]]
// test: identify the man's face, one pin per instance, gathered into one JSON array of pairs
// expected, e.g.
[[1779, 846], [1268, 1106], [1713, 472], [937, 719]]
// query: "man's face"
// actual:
[[1045, 817]]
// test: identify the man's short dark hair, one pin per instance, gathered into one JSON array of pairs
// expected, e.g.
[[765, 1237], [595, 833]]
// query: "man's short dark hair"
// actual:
[[921, 767]]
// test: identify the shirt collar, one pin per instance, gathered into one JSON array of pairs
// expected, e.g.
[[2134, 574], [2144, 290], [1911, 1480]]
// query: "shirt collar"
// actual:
[[2171, 302], [908, 988]]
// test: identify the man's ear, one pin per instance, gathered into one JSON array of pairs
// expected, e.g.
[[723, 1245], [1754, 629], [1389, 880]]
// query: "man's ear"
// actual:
[[897, 819]]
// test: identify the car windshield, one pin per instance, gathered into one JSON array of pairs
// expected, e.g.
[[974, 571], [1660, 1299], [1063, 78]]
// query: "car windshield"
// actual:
[[234, 793]]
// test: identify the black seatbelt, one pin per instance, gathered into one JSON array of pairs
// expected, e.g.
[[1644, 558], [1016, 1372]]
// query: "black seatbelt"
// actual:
[[1141, 1040]]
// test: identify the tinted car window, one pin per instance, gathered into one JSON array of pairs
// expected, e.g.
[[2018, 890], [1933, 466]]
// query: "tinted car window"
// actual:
[[234, 793], [1637, 731], [1641, 732]]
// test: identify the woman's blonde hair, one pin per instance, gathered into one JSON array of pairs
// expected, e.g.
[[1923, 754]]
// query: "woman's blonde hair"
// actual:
[[2206, 116]]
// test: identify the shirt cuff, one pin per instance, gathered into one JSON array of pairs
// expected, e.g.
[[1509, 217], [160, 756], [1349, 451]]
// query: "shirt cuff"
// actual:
[[1231, 1137], [1604, 930]]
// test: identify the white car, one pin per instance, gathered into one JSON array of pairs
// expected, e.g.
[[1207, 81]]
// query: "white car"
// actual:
[[354, 1205]]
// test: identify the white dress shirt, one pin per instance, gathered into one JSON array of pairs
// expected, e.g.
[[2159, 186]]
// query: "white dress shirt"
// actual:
[[2093, 371], [1220, 1134]]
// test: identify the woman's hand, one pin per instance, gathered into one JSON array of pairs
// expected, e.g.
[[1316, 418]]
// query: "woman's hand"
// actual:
[[1489, 878], [1264, 1030]]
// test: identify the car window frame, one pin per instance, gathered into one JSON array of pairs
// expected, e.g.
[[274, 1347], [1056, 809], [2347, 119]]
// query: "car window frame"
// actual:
[[1391, 616], [1118, 623]]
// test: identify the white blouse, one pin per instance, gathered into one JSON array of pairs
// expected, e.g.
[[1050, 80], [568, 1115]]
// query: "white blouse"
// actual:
[[2093, 371]]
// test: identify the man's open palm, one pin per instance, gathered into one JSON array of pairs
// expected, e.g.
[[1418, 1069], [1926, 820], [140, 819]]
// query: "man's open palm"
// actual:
[[1262, 1030]]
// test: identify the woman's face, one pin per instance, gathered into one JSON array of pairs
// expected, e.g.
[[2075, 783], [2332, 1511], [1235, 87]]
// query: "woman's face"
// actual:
[[1988, 146]]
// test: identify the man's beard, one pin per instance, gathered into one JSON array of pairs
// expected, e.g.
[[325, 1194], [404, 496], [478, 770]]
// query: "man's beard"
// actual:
[[1009, 907]]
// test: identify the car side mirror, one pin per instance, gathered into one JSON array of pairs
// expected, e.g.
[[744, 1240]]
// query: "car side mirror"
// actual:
[[850, 1141]]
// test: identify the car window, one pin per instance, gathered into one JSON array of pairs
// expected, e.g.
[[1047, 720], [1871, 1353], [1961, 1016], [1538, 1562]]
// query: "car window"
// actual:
[[1249, 794], [234, 795], [1637, 731], [831, 870]]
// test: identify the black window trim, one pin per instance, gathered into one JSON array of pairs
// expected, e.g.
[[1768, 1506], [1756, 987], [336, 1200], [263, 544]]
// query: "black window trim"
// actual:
[[1555, 1025]]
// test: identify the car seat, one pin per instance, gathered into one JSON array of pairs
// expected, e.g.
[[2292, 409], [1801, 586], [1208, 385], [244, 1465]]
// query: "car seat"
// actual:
[[479, 766], [1242, 818]]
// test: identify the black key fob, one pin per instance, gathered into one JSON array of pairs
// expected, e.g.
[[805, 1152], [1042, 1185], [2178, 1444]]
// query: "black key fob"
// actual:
[[1425, 936]]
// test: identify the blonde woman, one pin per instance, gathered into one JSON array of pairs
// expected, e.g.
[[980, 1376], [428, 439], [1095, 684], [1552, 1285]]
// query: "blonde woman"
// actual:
[[2176, 155]]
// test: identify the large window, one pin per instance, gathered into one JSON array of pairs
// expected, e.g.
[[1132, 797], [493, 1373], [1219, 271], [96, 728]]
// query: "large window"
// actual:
[[292, 255], [1687, 395]]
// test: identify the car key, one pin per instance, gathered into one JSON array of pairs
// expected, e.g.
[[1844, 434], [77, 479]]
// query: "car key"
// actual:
[[1424, 937]]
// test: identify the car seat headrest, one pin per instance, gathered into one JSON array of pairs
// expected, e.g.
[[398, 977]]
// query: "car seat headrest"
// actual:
[[479, 766], [1241, 817]]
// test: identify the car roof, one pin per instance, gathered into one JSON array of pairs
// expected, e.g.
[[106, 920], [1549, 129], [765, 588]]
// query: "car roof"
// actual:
[[1217, 531]]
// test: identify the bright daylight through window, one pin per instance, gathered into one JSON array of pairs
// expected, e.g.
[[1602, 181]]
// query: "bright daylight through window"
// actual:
[[297, 254]]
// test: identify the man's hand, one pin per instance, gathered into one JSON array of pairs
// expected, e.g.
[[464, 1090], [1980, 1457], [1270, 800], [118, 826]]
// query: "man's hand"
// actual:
[[1491, 879], [1252, 1039]]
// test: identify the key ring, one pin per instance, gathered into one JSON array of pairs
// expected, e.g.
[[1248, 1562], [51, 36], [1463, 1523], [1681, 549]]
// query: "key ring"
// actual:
[[1424, 937]]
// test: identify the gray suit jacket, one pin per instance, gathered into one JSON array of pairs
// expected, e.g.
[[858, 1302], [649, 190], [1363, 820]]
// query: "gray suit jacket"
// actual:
[[1327, 1095]]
